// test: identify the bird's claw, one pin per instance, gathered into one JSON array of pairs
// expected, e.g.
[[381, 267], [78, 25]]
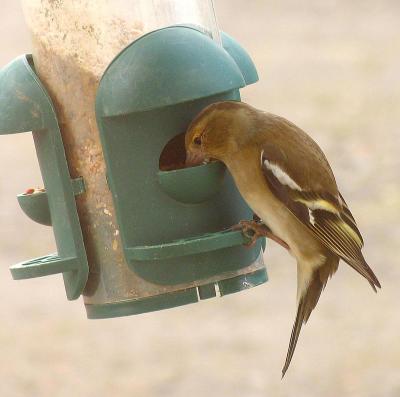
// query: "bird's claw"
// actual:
[[252, 230]]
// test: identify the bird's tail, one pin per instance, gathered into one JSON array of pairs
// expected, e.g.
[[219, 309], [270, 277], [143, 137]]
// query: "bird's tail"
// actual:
[[308, 300]]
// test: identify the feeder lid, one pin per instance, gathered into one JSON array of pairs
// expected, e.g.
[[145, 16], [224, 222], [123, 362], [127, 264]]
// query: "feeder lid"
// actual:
[[241, 57], [24, 104], [166, 67]]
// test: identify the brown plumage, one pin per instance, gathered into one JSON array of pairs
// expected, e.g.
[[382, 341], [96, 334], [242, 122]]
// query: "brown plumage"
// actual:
[[287, 181]]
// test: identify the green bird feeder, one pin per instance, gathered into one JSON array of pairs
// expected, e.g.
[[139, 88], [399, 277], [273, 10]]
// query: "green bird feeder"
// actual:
[[135, 230]]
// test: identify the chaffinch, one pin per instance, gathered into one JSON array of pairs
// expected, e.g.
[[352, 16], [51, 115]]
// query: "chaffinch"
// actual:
[[286, 180]]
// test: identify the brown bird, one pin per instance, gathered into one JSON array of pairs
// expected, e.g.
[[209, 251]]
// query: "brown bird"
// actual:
[[286, 180]]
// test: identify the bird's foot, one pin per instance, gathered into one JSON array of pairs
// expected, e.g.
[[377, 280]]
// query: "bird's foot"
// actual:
[[253, 230]]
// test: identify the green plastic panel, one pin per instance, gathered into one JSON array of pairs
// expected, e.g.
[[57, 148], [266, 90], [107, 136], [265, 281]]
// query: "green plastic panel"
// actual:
[[174, 299], [144, 305], [175, 65], [179, 185], [236, 51], [207, 291], [36, 207], [241, 57], [43, 266], [241, 283], [173, 224], [25, 106], [188, 246]]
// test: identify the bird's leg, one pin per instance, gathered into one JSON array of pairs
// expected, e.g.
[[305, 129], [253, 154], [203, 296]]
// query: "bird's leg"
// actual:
[[256, 229]]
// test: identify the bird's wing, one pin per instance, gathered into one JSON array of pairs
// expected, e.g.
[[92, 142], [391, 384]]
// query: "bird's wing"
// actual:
[[322, 209]]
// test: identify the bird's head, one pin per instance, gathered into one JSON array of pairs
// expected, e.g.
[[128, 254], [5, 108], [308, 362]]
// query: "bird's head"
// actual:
[[217, 132]]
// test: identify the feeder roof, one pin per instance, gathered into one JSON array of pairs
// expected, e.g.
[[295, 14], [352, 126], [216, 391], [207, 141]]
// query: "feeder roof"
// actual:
[[164, 68]]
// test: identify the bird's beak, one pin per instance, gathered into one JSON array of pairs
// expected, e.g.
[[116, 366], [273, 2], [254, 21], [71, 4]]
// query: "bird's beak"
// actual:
[[194, 158]]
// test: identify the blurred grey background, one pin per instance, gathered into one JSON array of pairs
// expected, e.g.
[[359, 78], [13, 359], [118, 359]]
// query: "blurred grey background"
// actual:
[[332, 67]]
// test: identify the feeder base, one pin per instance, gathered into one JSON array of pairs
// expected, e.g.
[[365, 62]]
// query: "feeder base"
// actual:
[[179, 298]]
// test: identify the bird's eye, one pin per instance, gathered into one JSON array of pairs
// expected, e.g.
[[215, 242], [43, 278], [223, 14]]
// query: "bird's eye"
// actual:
[[197, 140]]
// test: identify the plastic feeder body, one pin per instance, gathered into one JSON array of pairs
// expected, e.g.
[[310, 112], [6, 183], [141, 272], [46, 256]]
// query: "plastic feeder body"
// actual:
[[163, 240], [173, 223]]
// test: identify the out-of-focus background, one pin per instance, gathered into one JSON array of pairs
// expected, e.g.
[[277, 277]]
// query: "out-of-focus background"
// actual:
[[332, 67]]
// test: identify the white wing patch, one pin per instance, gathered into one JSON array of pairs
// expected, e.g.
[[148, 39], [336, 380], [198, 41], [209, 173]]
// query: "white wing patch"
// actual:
[[281, 175], [311, 216]]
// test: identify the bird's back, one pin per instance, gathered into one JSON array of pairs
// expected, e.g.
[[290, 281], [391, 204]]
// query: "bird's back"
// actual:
[[285, 143]]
